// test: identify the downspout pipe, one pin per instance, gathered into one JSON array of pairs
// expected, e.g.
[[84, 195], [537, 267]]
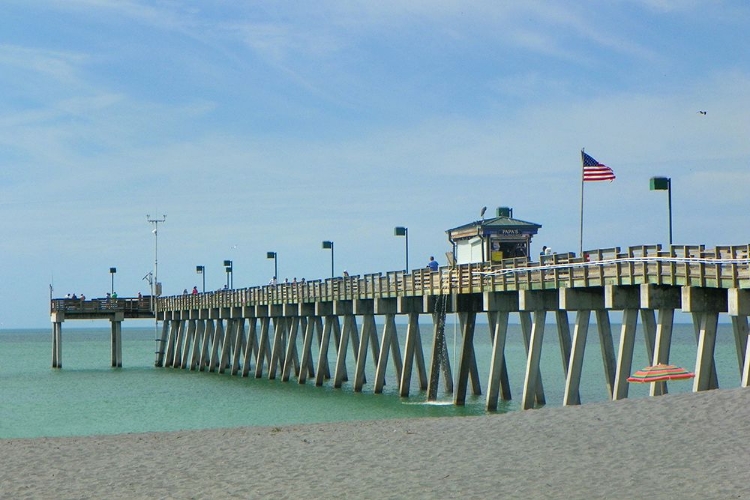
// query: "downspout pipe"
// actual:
[[453, 248]]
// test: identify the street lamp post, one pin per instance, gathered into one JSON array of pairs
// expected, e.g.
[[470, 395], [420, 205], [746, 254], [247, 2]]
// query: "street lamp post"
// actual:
[[112, 271], [327, 245], [275, 257], [230, 276], [664, 184], [403, 231], [202, 271]]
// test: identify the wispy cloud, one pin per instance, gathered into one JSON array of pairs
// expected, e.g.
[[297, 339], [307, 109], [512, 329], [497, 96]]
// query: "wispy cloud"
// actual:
[[163, 15], [61, 66]]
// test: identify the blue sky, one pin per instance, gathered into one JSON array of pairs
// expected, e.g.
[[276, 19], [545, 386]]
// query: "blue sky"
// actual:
[[271, 126]]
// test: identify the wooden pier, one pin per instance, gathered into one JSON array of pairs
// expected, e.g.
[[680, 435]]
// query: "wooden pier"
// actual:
[[115, 310], [271, 330]]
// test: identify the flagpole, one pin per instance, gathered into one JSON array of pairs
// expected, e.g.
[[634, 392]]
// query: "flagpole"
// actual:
[[580, 247]]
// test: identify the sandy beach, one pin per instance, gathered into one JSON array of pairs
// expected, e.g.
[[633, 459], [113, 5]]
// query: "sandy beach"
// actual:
[[674, 446]]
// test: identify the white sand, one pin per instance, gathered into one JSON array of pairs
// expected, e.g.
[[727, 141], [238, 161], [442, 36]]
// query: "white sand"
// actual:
[[675, 446]]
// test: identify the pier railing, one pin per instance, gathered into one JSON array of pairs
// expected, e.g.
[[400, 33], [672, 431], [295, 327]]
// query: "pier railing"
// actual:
[[686, 265]]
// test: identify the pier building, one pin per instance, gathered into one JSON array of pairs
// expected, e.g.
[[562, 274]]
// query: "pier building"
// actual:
[[492, 240]]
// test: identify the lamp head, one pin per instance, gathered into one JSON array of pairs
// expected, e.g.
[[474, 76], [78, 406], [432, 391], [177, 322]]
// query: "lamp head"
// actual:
[[659, 183]]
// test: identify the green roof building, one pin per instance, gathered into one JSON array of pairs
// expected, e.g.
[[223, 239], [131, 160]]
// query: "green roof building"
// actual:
[[492, 240]]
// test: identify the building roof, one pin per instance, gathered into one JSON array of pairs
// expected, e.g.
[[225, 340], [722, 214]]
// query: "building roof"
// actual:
[[496, 225]]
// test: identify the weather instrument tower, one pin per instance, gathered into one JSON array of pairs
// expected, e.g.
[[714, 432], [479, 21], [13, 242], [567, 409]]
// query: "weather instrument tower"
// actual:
[[156, 287]]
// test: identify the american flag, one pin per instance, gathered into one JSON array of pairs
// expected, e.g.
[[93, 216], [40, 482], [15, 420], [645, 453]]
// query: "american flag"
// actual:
[[595, 171]]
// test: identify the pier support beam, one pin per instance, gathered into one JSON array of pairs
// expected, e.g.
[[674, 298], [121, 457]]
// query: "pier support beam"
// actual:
[[739, 309], [227, 345], [467, 306], [240, 345], [583, 301], [306, 365], [264, 354], [57, 321], [607, 348], [538, 302], [116, 339], [216, 345], [439, 306], [467, 362], [705, 304], [665, 300], [563, 337], [330, 325], [626, 299], [348, 332], [161, 344], [207, 344], [278, 346], [413, 345], [251, 348], [291, 357], [413, 352], [200, 328], [323, 327], [175, 323], [499, 306], [389, 345], [571, 395], [369, 331], [187, 343], [179, 342], [740, 329], [706, 325]]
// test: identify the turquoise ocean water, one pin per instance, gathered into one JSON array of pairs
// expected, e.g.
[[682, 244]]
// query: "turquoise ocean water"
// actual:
[[88, 397]]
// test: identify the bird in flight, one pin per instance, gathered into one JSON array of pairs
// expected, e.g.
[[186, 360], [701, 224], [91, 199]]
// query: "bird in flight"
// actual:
[[702, 112]]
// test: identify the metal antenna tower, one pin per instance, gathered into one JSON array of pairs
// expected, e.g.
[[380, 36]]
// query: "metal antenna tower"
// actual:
[[155, 285], [156, 222]]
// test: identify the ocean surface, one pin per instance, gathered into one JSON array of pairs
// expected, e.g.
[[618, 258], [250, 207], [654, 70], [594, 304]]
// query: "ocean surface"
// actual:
[[88, 397]]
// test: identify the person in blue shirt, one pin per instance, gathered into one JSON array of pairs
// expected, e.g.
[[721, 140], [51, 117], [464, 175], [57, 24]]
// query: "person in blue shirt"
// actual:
[[432, 264]]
